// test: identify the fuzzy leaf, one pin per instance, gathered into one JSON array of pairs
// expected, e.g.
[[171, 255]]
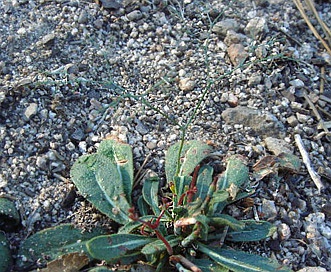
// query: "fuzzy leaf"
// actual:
[[239, 261], [49, 244], [150, 192], [182, 185], [5, 255], [143, 207], [114, 246], [226, 220], [100, 181], [252, 231], [207, 265], [133, 225], [192, 153], [236, 173], [158, 246], [9, 216], [121, 155], [205, 177]]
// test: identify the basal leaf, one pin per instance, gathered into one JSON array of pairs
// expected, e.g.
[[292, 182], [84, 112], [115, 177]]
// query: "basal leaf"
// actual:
[[192, 153], [49, 244], [9, 216], [121, 155], [207, 265], [236, 173], [99, 181], [252, 231], [5, 254], [115, 246], [205, 177], [239, 261], [158, 246], [226, 220], [143, 206], [182, 185], [133, 225], [150, 192]]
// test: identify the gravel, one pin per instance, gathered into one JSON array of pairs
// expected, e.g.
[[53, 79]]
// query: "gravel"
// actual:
[[73, 73]]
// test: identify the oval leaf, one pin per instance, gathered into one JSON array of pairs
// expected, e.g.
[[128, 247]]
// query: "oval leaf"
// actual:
[[252, 231], [182, 162], [112, 247], [9, 216], [49, 244], [5, 255], [99, 181], [239, 261]]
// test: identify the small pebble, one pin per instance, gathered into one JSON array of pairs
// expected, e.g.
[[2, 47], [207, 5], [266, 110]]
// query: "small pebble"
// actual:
[[31, 110]]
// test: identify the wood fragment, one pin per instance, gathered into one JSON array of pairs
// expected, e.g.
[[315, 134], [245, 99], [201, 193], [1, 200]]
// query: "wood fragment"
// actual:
[[315, 111], [305, 157], [310, 25], [322, 79]]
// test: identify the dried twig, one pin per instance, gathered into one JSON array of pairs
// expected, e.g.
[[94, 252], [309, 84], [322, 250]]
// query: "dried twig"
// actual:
[[310, 25], [305, 157], [315, 111], [322, 82], [325, 28]]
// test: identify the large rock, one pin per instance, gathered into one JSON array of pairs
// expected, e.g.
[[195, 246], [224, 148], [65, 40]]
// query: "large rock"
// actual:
[[264, 124]]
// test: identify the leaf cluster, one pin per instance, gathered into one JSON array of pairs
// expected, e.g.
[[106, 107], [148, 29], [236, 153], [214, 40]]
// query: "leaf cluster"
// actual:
[[187, 229]]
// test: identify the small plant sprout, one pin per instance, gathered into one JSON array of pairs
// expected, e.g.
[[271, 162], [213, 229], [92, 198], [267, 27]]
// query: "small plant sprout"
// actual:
[[185, 230]]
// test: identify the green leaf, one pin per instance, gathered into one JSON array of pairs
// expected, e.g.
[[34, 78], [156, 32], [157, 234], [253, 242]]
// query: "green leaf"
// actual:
[[236, 173], [99, 181], [218, 202], [192, 153], [226, 220], [115, 246], [9, 216], [205, 177], [143, 207], [150, 192], [158, 246], [51, 243], [182, 185], [133, 225], [121, 155], [239, 261], [5, 255], [206, 265], [252, 231]]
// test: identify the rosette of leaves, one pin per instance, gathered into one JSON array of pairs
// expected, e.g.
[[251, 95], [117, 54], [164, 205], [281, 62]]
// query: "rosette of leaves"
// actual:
[[186, 229]]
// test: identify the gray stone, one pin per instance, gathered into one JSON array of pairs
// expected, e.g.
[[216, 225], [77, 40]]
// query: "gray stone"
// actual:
[[83, 18], [284, 231], [224, 26], [186, 84], [254, 80], [269, 209], [48, 39], [297, 83], [41, 162], [134, 15], [237, 53], [31, 110], [265, 124], [78, 134], [256, 27], [141, 128], [292, 121], [277, 146]]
